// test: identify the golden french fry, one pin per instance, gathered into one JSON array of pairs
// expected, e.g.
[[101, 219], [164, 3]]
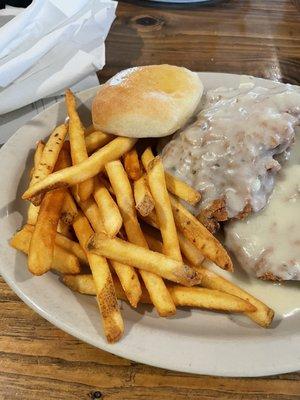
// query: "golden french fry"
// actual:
[[109, 211], [191, 252], [43, 238], [139, 257], [32, 214], [123, 192], [84, 284], [91, 211], [129, 281], [66, 244], [122, 189], [144, 202], [38, 153], [124, 272], [69, 209], [48, 159], [147, 157], [131, 286], [182, 296], [209, 299], [132, 165], [86, 169], [163, 209], [97, 139], [263, 315], [209, 246], [63, 261], [33, 210], [106, 296], [174, 185], [77, 142]]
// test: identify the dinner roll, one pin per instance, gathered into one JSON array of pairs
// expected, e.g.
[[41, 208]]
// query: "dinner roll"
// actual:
[[150, 101]]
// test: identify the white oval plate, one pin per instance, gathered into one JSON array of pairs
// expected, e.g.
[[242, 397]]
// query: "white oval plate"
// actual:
[[193, 341]]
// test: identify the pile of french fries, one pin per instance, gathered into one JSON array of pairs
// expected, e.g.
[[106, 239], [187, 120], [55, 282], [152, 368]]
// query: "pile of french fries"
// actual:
[[114, 226]]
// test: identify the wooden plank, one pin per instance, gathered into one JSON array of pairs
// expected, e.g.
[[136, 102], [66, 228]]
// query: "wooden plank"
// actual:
[[260, 38]]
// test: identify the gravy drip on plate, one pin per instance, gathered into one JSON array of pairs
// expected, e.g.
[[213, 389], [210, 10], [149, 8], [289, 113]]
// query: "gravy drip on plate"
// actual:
[[230, 151], [267, 244]]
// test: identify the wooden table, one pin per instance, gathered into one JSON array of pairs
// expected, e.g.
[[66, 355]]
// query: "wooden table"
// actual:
[[38, 361]]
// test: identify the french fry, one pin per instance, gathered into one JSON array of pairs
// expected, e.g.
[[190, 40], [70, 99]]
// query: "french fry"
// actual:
[[182, 296], [69, 209], [63, 261], [132, 165], [129, 281], [91, 211], [139, 257], [144, 202], [263, 315], [182, 190], [122, 188], [48, 160], [83, 171], [38, 153], [126, 273], [33, 210], [191, 252], [106, 296], [147, 157], [90, 129], [77, 142], [209, 299], [66, 244], [37, 156], [84, 284], [193, 230], [174, 185], [97, 139], [43, 237], [109, 211], [32, 214], [163, 209]]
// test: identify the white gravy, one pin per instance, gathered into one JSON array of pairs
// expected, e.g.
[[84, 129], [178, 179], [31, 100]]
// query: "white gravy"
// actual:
[[269, 241], [228, 153], [283, 298]]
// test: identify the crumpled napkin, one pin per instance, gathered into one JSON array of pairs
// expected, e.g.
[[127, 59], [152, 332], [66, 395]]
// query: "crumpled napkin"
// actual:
[[50, 46]]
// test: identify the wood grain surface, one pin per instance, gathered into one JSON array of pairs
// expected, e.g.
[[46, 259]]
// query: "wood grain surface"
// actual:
[[255, 37], [38, 361]]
